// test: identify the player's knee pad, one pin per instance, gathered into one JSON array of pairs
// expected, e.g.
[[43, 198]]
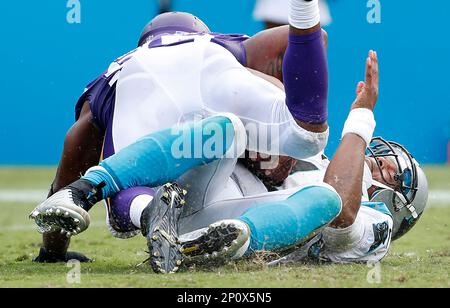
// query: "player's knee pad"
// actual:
[[239, 144], [119, 210]]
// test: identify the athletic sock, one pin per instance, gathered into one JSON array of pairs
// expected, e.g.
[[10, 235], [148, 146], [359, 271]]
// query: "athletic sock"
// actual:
[[137, 208]]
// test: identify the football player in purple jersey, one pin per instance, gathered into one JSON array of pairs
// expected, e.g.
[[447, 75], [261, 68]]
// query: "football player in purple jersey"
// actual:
[[262, 53]]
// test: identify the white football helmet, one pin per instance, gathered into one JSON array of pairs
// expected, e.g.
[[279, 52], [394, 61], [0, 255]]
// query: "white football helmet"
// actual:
[[407, 198]]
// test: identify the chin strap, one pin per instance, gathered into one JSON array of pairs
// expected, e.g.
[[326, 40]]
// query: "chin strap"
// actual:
[[409, 206]]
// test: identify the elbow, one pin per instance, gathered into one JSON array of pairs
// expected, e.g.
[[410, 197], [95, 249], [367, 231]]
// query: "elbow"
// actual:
[[348, 215], [307, 144], [345, 220]]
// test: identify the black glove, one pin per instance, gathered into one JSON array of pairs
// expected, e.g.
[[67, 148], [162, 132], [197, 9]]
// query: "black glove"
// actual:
[[45, 257]]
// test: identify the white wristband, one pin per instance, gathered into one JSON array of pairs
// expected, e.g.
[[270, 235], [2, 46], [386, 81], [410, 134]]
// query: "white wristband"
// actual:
[[360, 121], [304, 14]]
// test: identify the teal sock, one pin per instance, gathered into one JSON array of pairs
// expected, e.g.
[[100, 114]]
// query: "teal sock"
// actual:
[[99, 175]]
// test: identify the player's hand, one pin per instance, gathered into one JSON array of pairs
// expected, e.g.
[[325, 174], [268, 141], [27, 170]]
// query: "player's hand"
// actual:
[[46, 257], [367, 92]]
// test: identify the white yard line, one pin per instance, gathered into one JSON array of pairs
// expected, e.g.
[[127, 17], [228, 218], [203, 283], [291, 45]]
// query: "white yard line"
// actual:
[[22, 196], [440, 196], [33, 227], [437, 197]]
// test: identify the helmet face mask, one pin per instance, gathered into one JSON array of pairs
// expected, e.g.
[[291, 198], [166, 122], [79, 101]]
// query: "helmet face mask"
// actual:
[[406, 175], [407, 197]]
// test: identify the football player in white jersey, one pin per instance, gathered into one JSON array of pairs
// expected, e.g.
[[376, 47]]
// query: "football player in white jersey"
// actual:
[[394, 197], [384, 192]]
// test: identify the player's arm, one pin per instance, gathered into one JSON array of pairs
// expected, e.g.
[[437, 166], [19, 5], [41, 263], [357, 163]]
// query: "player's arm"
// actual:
[[345, 172], [265, 53], [82, 150], [299, 59]]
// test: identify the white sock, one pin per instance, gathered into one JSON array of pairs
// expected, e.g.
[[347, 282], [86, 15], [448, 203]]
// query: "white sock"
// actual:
[[137, 207], [304, 14]]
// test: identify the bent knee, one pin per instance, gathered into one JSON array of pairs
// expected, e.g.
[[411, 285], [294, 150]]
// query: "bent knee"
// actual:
[[330, 200], [321, 201]]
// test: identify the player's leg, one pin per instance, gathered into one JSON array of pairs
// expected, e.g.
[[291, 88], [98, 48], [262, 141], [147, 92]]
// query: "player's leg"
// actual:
[[139, 208], [125, 209], [271, 226], [230, 209], [298, 128], [152, 161], [165, 156], [368, 239], [204, 184], [305, 69], [265, 51]]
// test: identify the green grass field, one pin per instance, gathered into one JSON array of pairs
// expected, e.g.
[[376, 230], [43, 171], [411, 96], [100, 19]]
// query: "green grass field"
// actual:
[[420, 259]]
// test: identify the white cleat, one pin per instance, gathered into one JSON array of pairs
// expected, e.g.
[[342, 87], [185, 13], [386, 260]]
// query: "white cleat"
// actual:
[[61, 213], [227, 239]]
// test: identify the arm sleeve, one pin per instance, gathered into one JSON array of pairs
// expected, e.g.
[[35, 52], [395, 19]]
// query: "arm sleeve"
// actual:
[[261, 106]]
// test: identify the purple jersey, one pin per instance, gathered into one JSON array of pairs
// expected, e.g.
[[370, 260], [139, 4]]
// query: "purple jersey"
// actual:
[[101, 93]]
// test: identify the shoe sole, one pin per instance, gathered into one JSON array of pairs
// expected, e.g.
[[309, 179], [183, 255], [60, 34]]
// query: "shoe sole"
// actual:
[[165, 249], [219, 241], [68, 219]]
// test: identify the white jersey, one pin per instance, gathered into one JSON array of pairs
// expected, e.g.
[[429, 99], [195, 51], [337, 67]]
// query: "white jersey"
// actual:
[[158, 88], [367, 240]]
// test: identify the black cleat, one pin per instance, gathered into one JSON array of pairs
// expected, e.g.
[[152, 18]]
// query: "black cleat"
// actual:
[[159, 224]]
